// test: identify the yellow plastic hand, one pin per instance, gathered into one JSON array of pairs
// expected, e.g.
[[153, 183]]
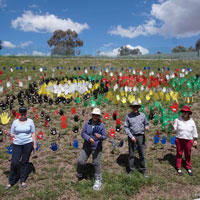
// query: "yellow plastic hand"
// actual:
[[4, 118]]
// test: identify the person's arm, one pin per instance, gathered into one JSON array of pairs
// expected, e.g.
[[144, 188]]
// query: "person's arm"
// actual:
[[195, 134], [103, 135], [84, 134], [11, 132], [34, 141], [127, 127], [146, 124], [174, 124], [33, 135]]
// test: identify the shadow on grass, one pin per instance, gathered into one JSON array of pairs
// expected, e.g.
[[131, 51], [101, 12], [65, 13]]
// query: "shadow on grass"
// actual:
[[123, 160], [88, 171], [171, 158], [31, 169]]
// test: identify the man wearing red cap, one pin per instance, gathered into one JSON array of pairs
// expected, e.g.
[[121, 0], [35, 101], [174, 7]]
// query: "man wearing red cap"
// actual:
[[186, 136]]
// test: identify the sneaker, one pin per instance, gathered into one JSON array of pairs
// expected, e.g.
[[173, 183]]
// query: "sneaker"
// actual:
[[76, 179], [179, 172], [130, 173], [97, 185], [145, 175], [24, 185], [190, 172], [8, 187]]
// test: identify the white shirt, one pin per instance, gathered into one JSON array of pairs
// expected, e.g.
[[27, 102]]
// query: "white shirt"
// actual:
[[185, 129]]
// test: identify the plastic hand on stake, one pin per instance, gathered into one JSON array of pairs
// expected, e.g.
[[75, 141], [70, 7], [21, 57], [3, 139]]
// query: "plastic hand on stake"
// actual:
[[4, 118]]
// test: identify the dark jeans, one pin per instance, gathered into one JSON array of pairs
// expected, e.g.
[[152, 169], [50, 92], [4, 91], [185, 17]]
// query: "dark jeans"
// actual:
[[96, 159], [19, 151], [140, 142]]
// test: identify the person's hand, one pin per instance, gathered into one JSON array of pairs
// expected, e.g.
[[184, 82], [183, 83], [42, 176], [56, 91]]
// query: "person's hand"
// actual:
[[146, 128], [98, 136], [9, 134], [133, 139], [34, 147], [195, 143], [91, 141], [4, 118]]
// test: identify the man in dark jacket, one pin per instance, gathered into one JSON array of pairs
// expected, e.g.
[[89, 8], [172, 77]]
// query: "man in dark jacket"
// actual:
[[93, 134], [135, 125]]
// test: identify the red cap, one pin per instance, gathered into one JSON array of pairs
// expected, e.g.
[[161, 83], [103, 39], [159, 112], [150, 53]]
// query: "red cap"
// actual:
[[186, 109]]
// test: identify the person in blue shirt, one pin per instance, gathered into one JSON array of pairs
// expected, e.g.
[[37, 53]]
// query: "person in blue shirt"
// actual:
[[93, 134], [23, 132], [135, 125]]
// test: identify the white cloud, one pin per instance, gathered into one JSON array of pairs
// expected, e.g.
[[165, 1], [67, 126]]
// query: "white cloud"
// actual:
[[8, 44], [25, 44], [180, 18], [33, 6], [38, 53], [45, 23], [3, 4], [115, 52], [111, 53], [142, 49], [146, 29], [170, 18], [108, 44]]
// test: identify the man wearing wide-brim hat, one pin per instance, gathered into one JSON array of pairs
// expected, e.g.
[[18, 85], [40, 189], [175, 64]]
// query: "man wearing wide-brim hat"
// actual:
[[135, 125]]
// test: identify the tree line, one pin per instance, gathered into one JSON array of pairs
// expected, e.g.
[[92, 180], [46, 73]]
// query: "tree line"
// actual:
[[68, 43]]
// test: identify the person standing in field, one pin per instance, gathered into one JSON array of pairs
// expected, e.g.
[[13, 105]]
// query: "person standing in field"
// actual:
[[186, 137], [23, 132], [135, 125], [93, 134]]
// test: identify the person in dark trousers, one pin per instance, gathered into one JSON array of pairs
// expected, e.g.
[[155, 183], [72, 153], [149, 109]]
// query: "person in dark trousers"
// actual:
[[186, 137], [135, 126], [23, 131], [93, 134]]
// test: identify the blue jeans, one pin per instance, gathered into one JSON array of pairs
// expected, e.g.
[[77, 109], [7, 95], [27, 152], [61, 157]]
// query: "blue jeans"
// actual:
[[19, 151]]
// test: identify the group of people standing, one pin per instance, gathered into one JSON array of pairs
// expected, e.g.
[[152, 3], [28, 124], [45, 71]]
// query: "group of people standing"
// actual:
[[93, 133]]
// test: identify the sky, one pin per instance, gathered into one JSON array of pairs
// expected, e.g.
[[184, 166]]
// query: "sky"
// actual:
[[103, 25]]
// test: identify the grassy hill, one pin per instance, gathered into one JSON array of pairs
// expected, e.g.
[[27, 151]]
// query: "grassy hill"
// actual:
[[52, 171]]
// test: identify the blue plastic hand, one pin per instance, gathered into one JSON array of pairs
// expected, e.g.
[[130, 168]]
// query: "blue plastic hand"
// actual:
[[156, 139], [37, 146], [172, 140], [75, 144], [9, 149], [121, 143], [54, 146], [113, 144], [163, 141]]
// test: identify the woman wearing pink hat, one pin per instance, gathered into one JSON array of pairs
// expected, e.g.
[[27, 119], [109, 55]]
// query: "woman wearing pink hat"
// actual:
[[186, 136]]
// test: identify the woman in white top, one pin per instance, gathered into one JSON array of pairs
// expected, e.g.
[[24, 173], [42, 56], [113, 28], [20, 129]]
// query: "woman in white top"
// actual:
[[186, 136]]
